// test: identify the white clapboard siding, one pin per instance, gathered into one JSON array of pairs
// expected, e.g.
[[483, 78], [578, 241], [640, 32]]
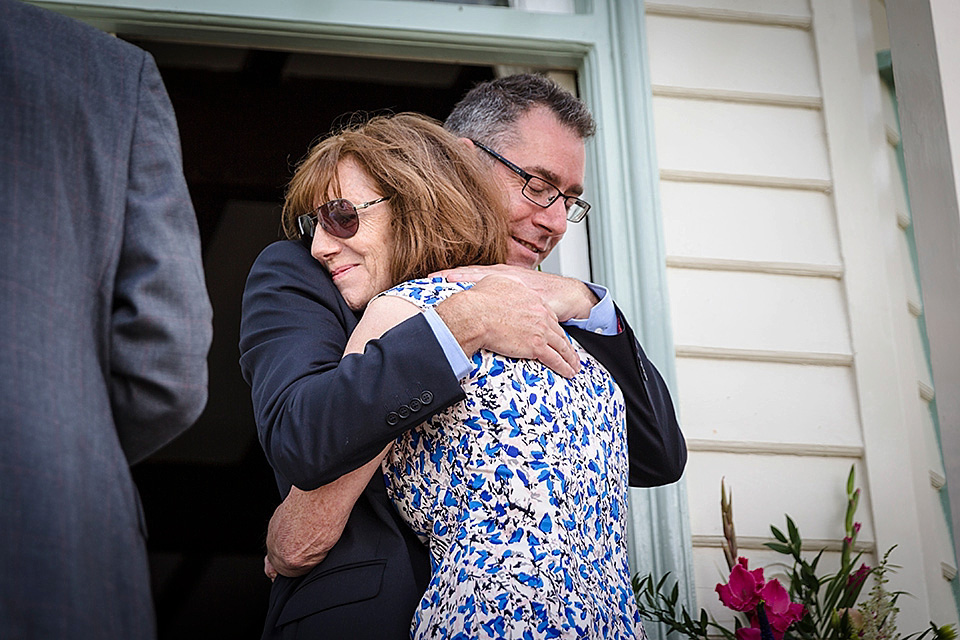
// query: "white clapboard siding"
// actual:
[[920, 359], [791, 12], [901, 208], [810, 489], [771, 64], [780, 276], [878, 23], [741, 139], [890, 120], [912, 285], [744, 223], [931, 445], [758, 311], [757, 405]]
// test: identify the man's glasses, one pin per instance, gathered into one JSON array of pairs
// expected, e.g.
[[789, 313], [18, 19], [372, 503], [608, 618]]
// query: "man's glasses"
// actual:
[[338, 217], [540, 192]]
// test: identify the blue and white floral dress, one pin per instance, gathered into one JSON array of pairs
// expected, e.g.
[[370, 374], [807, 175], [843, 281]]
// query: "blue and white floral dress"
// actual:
[[520, 492]]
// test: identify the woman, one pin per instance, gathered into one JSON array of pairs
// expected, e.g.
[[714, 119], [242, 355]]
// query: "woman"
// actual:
[[519, 490]]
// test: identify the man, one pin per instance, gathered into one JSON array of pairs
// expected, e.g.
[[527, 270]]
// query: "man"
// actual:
[[104, 326], [533, 134]]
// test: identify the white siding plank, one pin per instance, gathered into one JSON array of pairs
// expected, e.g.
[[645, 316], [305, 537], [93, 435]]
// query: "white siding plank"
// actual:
[[749, 223], [732, 56], [793, 8], [758, 311], [910, 282], [768, 402], [900, 205], [743, 139], [811, 490], [920, 354], [931, 443]]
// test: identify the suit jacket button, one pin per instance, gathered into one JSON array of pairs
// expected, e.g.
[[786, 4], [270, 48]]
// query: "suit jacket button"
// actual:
[[426, 397], [415, 404], [392, 418], [403, 411]]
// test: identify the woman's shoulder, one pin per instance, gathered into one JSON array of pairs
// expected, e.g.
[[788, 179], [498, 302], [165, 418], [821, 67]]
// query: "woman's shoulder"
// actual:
[[426, 292]]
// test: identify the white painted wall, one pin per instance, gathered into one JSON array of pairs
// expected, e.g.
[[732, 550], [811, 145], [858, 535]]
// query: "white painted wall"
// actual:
[[793, 299]]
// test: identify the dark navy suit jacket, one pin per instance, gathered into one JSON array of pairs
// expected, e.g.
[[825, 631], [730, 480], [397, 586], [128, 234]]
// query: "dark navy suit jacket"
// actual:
[[104, 321], [319, 417]]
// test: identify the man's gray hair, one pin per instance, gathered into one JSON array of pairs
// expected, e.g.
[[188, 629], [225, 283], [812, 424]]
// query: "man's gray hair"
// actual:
[[488, 113]]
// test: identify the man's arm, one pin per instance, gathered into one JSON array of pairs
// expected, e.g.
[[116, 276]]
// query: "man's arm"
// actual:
[[568, 298], [307, 524], [658, 452], [293, 332], [161, 323], [319, 414]]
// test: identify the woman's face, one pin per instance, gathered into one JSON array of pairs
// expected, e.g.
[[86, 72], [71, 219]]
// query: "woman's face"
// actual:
[[360, 265]]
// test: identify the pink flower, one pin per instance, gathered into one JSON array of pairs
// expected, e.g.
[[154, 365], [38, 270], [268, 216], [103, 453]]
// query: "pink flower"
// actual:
[[742, 591], [780, 611], [856, 528], [748, 633], [859, 577], [757, 573]]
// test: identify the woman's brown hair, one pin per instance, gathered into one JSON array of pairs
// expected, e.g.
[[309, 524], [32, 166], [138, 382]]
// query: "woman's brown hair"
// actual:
[[447, 210]]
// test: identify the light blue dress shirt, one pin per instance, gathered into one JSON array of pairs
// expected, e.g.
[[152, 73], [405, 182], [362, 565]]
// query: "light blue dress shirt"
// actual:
[[602, 319]]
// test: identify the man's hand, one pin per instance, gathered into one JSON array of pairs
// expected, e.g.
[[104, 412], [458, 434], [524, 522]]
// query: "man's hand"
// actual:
[[503, 315], [567, 297]]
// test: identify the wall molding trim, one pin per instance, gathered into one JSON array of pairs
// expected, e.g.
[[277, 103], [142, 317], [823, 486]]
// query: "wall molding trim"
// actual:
[[757, 543], [721, 95], [777, 182], [755, 266], [730, 15], [776, 448], [760, 355]]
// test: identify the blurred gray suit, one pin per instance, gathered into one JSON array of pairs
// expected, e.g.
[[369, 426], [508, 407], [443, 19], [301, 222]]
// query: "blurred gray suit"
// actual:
[[104, 322]]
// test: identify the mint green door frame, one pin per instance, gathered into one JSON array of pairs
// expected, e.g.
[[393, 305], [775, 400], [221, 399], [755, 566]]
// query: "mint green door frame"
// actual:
[[605, 45]]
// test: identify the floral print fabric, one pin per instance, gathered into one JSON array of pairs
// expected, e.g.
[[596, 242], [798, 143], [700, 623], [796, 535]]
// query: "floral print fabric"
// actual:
[[520, 493]]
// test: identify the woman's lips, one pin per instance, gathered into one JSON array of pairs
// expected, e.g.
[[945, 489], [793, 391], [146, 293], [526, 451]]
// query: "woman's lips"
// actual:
[[339, 271]]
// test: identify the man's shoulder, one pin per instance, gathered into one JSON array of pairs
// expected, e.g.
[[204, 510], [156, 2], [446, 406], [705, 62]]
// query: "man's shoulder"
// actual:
[[39, 25], [287, 266], [286, 256]]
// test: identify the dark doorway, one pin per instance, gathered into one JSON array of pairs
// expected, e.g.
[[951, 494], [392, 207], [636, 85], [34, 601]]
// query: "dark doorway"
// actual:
[[246, 116]]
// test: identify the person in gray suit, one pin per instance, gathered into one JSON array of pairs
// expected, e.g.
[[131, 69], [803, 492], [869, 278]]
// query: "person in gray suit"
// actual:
[[105, 323]]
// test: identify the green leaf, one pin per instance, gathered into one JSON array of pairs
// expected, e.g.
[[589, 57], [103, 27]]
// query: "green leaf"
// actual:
[[662, 580], [794, 533], [779, 548], [778, 534], [850, 479]]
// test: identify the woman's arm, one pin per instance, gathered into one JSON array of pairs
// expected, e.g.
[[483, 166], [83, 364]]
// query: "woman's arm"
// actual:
[[307, 524]]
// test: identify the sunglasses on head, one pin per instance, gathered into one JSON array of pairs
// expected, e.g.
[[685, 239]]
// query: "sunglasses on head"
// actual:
[[338, 217]]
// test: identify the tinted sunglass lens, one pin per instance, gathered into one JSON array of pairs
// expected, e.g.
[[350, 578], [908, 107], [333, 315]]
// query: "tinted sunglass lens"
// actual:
[[339, 218]]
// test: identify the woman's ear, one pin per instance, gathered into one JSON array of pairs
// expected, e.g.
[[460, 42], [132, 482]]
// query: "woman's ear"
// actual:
[[468, 142]]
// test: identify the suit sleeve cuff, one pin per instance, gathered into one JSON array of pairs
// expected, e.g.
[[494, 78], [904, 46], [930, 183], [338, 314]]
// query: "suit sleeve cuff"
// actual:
[[603, 315], [459, 363]]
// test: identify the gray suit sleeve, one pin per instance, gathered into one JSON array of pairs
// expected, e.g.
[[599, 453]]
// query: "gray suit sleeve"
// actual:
[[161, 320]]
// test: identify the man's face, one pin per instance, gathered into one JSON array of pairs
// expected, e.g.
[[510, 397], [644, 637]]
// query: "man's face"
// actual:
[[547, 149]]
